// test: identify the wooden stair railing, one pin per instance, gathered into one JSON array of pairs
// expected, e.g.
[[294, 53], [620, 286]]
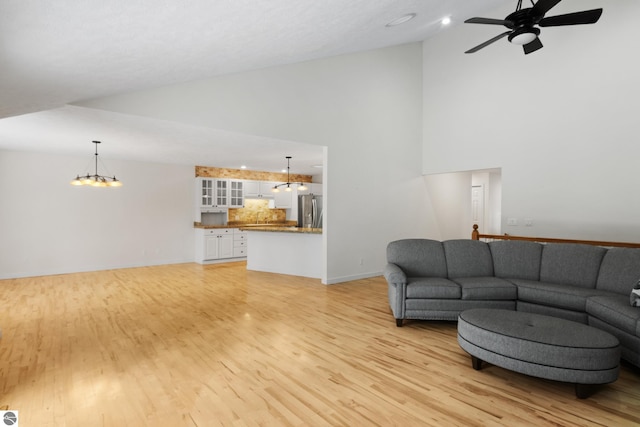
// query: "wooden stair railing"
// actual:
[[476, 235]]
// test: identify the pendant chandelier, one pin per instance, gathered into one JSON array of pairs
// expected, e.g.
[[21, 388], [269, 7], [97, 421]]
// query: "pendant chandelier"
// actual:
[[96, 180], [287, 185]]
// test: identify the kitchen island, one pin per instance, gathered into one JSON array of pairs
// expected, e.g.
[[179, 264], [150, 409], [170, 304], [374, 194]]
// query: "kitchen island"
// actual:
[[285, 250]]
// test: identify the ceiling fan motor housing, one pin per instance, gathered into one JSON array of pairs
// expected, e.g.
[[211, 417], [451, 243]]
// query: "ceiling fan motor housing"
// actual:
[[523, 18]]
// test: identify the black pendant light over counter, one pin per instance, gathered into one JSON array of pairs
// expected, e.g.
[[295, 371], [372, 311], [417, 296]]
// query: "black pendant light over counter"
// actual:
[[287, 185]]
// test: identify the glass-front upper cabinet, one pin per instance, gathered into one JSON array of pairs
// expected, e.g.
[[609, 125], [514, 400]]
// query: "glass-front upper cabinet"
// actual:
[[221, 193], [205, 192], [236, 193]]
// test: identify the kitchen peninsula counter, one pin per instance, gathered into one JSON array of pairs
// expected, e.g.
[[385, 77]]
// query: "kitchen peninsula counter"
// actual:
[[285, 250]]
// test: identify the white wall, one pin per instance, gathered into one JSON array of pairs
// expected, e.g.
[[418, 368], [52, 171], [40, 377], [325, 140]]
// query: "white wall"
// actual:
[[451, 197], [366, 108], [562, 123], [50, 227]]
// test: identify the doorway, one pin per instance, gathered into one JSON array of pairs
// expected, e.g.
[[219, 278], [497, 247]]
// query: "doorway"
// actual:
[[486, 200], [477, 207]]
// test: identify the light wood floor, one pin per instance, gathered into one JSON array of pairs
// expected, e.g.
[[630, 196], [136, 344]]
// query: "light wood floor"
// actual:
[[193, 345]]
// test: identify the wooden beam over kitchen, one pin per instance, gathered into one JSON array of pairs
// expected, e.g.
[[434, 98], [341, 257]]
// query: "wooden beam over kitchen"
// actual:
[[212, 172]]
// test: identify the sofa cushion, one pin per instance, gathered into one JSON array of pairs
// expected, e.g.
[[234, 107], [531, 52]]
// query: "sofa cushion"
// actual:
[[555, 295], [516, 259], [530, 307], [616, 311], [619, 270], [432, 287], [418, 257], [571, 264], [487, 288], [468, 258]]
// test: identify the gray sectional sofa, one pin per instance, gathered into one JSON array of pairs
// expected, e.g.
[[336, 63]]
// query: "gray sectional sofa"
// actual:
[[433, 280]]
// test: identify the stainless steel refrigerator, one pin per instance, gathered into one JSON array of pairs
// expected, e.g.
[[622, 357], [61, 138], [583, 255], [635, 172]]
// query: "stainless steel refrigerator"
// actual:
[[310, 211]]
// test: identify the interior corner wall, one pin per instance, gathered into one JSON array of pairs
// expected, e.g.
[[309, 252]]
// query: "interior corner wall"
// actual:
[[50, 227], [451, 198], [366, 108], [561, 123]]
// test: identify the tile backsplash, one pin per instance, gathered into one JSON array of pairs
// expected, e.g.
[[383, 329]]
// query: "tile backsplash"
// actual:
[[256, 210]]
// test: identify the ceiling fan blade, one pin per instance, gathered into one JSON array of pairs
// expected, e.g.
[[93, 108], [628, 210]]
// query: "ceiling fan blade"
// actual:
[[490, 21], [543, 6], [576, 18], [532, 46], [488, 42]]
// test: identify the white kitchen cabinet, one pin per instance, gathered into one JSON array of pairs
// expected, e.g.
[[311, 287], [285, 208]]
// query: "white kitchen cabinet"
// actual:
[[220, 193], [283, 199], [251, 189], [212, 192], [204, 192], [219, 244], [316, 188], [214, 244], [258, 189], [312, 188], [236, 193], [239, 243]]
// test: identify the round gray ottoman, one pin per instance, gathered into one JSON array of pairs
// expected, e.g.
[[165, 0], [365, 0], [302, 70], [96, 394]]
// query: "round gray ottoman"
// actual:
[[540, 346]]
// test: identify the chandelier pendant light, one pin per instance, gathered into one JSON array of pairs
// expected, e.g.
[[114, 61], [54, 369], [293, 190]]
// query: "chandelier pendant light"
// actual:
[[287, 185], [96, 180]]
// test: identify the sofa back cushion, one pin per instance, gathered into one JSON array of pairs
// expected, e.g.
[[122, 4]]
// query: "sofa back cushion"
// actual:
[[516, 259], [619, 271], [468, 258], [418, 257], [571, 264]]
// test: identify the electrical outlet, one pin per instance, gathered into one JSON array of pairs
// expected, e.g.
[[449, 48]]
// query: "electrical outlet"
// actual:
[[512, 221]]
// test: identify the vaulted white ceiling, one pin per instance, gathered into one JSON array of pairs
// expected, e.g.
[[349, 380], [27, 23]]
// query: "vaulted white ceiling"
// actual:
[[56, 53]]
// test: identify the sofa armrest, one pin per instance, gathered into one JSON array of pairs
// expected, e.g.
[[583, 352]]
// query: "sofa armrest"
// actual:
[[397, 290], [394, 274]]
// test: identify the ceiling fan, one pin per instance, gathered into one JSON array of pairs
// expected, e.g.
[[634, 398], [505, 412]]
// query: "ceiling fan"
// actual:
[[522, 24]]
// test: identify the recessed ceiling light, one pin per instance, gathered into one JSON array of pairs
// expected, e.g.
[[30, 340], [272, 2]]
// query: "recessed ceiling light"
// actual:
[[446, 20], [243, 167], [406, 18]]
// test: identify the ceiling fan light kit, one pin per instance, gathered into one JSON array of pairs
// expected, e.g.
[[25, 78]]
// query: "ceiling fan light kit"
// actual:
[[523, 36], [523, 24]]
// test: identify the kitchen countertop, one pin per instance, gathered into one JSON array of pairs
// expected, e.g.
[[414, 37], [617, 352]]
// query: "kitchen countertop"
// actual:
[[283, 229], [241, 225], [279, 227]]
